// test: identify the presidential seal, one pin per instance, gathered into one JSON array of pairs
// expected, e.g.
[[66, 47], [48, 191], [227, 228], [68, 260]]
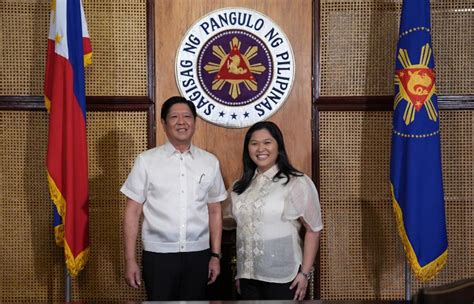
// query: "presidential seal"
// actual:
[[236, 65]]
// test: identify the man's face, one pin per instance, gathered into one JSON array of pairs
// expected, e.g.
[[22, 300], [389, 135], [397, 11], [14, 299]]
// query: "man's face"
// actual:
[[179, 125]]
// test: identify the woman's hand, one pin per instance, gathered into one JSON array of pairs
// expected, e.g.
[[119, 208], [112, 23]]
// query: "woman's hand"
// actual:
[[301, 284], [237, 286]]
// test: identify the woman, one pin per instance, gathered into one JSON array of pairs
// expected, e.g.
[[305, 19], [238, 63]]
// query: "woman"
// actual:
[[270, 203]]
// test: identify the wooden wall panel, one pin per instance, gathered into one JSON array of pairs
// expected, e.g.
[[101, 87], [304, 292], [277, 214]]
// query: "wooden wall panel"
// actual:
[[32, 266], [174, 17], [361, 253]]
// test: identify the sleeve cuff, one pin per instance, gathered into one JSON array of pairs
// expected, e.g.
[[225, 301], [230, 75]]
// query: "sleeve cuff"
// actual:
[[131, 195], [218, 199]]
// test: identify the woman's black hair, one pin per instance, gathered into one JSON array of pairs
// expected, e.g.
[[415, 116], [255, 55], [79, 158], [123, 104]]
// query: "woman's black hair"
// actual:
[[285, 169], [165, 108]]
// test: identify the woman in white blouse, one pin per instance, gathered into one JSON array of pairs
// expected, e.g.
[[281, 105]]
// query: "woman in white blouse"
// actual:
[[270, 203]]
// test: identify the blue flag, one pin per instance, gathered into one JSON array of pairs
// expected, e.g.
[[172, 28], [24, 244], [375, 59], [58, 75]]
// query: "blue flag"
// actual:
[[415, 165]]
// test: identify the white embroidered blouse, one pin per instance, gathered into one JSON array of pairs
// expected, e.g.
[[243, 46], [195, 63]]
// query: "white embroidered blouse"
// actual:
[[269, 247]]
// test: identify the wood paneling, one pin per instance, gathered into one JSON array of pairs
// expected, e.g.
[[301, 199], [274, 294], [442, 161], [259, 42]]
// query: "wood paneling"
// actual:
[[174, 17]]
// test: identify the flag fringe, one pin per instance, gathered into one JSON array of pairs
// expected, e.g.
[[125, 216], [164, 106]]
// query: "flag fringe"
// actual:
[[428, 271], [47, 103], [59, 235], [57, 197], [87, 59], [75, 264]]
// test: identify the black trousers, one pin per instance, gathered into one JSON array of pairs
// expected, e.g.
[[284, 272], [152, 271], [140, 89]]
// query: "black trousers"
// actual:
[[178, 276], [260, 290]]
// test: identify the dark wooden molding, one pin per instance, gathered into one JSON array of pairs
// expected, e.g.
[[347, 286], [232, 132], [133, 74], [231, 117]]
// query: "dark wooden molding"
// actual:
[[22, 103], [150, 27], [354, 103], [315, 149], [94, 104], [385, 103], [456, 102], [151, 127], [315, 92]]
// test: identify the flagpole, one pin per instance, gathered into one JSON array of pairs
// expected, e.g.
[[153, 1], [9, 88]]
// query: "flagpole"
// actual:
[[67, 286], [407, 281]]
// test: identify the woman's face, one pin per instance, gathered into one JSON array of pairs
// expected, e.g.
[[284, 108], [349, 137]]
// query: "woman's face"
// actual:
[[263, 149]]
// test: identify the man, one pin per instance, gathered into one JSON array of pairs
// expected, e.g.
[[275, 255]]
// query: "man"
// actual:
[[178, 188]]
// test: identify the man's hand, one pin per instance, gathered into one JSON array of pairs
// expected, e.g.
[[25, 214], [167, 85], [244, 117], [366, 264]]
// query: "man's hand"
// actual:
[[132, 274], [215, 232], [214, 270], [131, 219]]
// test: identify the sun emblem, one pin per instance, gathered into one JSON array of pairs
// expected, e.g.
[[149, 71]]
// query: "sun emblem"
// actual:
[[234, 68], [416, 85]]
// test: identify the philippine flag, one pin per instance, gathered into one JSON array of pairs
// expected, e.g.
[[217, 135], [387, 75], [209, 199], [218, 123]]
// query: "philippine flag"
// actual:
[[69, 50]]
